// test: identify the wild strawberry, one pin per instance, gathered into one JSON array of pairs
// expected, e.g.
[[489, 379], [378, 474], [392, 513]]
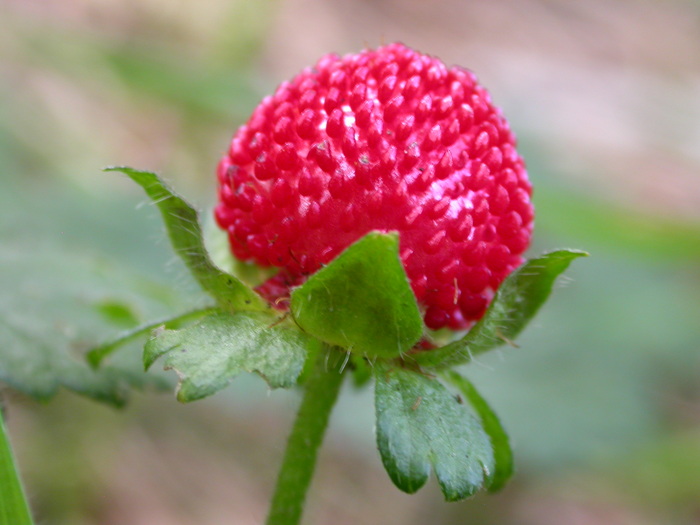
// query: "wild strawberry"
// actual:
[[386, 139]]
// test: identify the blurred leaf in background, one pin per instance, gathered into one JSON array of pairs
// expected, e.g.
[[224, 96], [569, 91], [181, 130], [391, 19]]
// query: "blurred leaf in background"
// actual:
[[77, 262]]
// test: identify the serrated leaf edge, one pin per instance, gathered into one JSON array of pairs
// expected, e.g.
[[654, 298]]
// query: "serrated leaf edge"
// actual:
[[150, 357]]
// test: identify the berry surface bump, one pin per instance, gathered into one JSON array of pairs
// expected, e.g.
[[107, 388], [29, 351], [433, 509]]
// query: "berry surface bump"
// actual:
[[390, 140]]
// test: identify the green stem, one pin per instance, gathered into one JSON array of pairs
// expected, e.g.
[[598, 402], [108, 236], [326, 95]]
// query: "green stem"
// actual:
[[321, 391], [14, 509]]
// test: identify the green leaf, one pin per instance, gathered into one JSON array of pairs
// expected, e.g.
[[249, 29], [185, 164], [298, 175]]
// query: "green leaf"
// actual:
[[207, 355], [218, 246], [420, 425], [96, 355], [502, 452], [185, 232], [362, 300], [14, 509], [516, 302]]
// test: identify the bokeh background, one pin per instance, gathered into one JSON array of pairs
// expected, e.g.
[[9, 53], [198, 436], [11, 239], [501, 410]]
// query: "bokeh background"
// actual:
[[602, 398]]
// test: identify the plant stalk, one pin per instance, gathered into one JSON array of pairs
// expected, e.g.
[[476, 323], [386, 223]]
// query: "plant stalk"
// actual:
[[14, 509], [321, 392]]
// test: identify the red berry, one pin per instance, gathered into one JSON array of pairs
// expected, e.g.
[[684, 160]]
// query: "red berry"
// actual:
[[390, 140]]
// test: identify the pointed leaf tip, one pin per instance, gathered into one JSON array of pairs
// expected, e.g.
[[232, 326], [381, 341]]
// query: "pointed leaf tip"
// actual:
[[362, 300]]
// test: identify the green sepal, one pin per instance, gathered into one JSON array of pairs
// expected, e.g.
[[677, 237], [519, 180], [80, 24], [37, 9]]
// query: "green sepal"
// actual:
[[420, 425], [503, 454], [209, 354], [185, 232], [362, 300], [516, 302]]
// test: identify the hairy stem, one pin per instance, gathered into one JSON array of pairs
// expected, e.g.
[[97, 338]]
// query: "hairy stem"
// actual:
[[321, 391]]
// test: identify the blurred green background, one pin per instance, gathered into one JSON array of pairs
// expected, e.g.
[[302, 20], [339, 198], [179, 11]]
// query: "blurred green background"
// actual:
[[602, 399]]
